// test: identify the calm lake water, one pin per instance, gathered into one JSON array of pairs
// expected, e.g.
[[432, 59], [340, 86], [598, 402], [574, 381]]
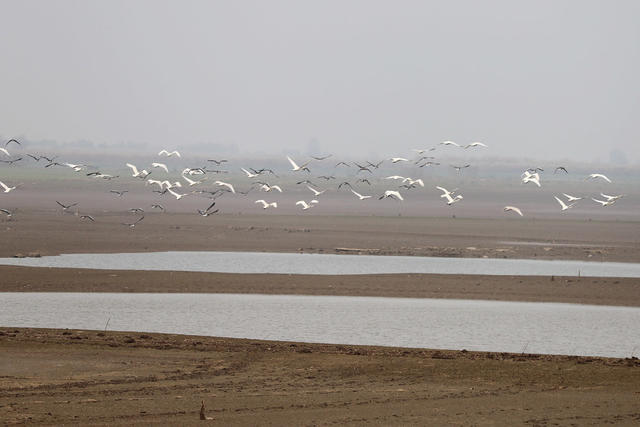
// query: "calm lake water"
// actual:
[[548, 328], [327, 264]]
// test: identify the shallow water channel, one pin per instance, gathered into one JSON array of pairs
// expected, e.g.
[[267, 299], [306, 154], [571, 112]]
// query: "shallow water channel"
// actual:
[[327, 264], [549, 328]]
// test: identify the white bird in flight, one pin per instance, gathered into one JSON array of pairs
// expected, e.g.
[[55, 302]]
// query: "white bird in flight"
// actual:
[[423, 150], [226, 184], [475, 144], [450, 143], [306, 205], [164, 183], [598, 175], [76, 168], [360, 196], [513, 209], [571, 198], [136, 173], [531, 177], [606, 196], [249, 174], [265, 204], [395, 177], [452, 200], [605, 203], [191, 182], [6, 188], [267, 188], [412, 181], [563, 205], [446, 193], [155, 181], [178, 196], [297, 168], [398, 159], [161, 166], [393, 194], [316, 192], [169, 154]]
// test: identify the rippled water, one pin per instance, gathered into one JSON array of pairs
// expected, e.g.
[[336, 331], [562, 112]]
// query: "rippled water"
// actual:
[[548, 328], [324, 264]]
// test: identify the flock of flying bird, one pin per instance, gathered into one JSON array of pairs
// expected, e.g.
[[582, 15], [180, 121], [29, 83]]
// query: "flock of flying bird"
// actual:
[[193, 177]]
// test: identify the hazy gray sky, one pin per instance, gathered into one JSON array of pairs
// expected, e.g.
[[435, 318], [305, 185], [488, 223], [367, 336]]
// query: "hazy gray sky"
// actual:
[[544, 79]]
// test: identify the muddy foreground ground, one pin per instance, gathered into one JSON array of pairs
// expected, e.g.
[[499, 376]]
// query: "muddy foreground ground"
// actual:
[[89, 377], [86, 377]]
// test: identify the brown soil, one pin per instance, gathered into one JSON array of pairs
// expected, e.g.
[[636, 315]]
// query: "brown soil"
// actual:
[[50, 233], [584, 290], [92, 378]]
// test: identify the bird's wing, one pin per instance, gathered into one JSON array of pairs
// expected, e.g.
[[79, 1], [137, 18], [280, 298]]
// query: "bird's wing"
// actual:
[[4, 151], [444, 190], [210, 206], [293, 164], [133, 168], [160, 165], [230, 187], [514, 209], [561, 202], [304, 165], [277, 187], [4, 185]]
